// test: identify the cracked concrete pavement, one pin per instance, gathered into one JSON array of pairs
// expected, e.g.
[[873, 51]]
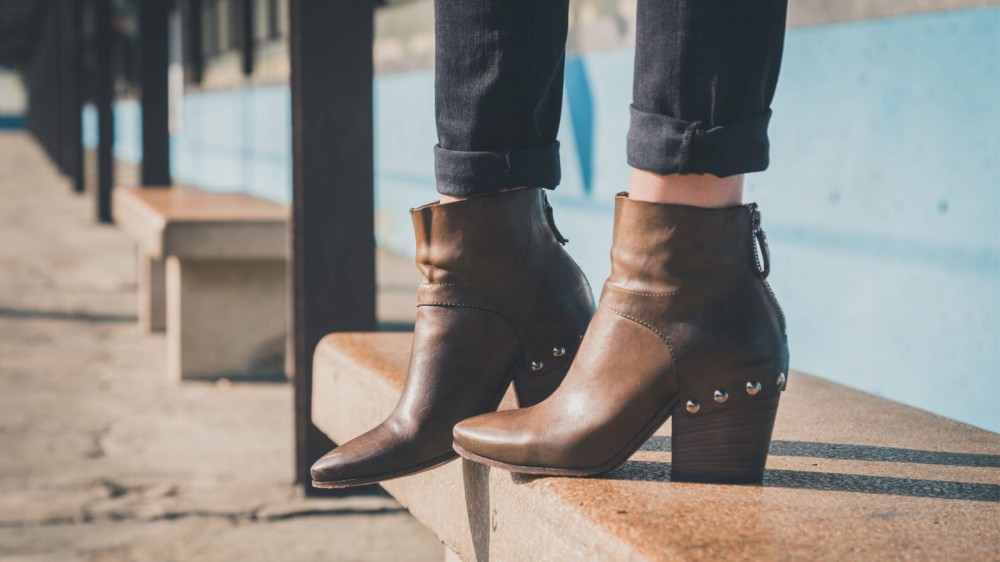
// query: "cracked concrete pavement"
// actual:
[[101, 457]]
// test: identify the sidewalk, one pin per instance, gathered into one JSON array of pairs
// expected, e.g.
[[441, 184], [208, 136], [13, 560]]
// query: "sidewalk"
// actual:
[[101, 457]]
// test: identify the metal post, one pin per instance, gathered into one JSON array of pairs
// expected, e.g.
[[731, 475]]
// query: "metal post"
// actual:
[[72, 140], [153, 66], [332, 228], [191, 30], [104, 100], [54, 84], [246, 36]]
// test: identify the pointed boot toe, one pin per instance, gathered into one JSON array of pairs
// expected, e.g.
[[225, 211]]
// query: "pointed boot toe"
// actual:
[[386, 452], [330, 468], [354, 463], [344, 469]]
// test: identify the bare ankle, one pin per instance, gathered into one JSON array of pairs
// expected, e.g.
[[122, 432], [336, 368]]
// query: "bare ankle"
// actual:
[[454, 198], [696, 190], [451, 198]]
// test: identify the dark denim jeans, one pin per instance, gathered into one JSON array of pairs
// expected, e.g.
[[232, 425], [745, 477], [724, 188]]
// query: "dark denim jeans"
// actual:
[[705, 75]]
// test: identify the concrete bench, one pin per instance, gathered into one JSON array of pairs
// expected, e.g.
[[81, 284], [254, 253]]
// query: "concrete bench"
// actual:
[[851, 477], [211, 271]]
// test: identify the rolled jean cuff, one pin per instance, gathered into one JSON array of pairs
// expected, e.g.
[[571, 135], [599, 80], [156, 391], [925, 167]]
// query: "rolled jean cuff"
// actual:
[[464, 173], [667, 145]]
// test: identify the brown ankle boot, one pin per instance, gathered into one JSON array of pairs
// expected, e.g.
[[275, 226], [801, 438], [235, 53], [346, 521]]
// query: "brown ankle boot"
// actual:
[[501, 300], [687, 327]]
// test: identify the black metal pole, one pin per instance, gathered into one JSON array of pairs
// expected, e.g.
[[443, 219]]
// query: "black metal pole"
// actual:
[[30, 91], [41, 56], [332, 228], [54, 83], [191, 31], [31, 81], [51, 82], [40, 96], [153, 88], [246, 34], [104, 100], [72, 140]]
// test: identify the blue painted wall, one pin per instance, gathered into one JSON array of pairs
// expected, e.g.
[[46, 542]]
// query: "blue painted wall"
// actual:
[[236, 141], [89, 126], [882, 203], [229, 141], [11, 122], [128, 131]]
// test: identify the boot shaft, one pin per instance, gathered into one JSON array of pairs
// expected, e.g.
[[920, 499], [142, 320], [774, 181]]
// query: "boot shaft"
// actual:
[[694, 275], [502, 254], [659, 248], [481, 238]]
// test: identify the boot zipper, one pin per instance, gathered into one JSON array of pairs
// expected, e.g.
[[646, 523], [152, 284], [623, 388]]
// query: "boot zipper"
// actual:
[[763, 268], [763, 259], [547, 209]]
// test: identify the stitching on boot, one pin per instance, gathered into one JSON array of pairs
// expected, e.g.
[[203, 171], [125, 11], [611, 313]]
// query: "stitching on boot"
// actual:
[[517, 333], [642, 294], [662, 336]]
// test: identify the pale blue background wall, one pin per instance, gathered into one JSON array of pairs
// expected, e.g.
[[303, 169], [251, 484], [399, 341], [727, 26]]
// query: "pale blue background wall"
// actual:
[[882, 203], [236, 141], [128, 131]]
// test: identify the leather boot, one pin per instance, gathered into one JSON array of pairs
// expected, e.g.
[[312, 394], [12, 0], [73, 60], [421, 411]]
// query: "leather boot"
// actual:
[[686, 327], [501, 300]]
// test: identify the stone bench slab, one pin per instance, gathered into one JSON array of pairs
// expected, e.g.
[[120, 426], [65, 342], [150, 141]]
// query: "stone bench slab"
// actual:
[[195, 224], [851, 477], [212, 273]]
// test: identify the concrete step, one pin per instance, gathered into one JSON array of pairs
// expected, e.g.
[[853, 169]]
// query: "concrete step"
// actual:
[[851, 477]]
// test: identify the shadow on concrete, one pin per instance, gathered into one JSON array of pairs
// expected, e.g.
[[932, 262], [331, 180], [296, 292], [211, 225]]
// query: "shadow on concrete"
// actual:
[[833, 482], [476, 478], [67, 315], [395, 326], [889, 485], [652, 471], [842, 451]]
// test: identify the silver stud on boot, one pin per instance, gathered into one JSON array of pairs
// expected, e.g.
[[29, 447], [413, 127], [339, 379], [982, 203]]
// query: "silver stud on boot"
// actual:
[[781, 381], [753, 387], [558, 351], [693, 407], [537, 366], [720, 396]]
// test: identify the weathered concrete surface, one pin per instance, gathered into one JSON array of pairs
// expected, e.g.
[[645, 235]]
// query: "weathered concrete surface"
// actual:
[[851, 477], [101, 456]]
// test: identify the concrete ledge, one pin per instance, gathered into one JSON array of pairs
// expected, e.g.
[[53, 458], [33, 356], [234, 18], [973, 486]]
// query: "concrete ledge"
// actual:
[[211, 271], [194, 224], [851, 476]]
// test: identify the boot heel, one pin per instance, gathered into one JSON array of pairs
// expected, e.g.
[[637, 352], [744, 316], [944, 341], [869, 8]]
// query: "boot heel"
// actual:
[[531, 387], [727, 446]]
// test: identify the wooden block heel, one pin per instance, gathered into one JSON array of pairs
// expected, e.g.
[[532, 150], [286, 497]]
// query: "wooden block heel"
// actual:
[[727, 446]]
